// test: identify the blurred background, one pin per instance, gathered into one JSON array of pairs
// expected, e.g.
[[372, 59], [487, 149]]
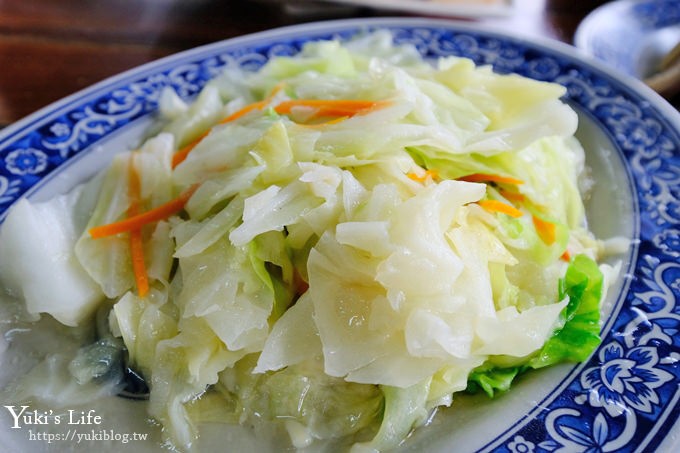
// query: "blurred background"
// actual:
[[50, 49]]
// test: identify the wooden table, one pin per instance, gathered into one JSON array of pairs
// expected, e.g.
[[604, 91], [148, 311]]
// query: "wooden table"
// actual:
[[52, 48]]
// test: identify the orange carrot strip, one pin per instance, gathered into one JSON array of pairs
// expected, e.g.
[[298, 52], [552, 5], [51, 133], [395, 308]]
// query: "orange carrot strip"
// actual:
[[512, 196], [325, 107], [545, 230], [138, 264], [182, 154], [338, 111], [259, 105], [330, 107], [136, 240], [156, 214], [499, 206], [428, 174], [566, 256], [276, 90], [337, 120], [483, 177]]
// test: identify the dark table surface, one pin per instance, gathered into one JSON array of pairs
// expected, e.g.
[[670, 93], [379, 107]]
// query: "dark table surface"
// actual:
[[50, 49]]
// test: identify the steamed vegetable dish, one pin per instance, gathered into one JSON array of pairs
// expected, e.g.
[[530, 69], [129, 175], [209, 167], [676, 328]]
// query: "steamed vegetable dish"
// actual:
[[332, 246]]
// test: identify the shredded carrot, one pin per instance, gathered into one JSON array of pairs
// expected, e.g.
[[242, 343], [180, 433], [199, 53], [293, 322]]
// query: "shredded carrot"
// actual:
[[276, 90], [342, 108], [545, 230], [330, 107], [337, 120], [499, 206], [138, 264], [136, 240], [483, 177], [324, 112], [156, 214], [422, 178], [182, 154], [512, 196], [566, 256], [259, 105]]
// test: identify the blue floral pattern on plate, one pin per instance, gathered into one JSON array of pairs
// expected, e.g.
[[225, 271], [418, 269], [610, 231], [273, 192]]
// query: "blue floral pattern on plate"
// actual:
[[657, 14], [626, 396]]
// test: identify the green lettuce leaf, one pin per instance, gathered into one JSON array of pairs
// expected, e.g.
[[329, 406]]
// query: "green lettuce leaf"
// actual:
[[579, 336], [573, 342], [492, 379]]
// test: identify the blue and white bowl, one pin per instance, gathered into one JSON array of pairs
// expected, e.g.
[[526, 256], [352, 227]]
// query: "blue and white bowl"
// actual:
[[632, 36]]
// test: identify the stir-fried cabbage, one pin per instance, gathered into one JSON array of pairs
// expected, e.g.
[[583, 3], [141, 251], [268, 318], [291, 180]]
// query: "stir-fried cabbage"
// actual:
[[399, 232]]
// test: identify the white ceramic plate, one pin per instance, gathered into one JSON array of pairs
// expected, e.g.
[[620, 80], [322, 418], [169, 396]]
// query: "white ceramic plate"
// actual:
[[624, 398]]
